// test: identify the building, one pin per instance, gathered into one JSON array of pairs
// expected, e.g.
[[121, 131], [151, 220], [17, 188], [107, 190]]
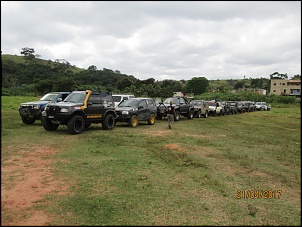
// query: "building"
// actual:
[[286, 87]]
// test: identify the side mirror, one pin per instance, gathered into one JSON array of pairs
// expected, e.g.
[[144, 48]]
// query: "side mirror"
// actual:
[[140, 107], [59, 99]]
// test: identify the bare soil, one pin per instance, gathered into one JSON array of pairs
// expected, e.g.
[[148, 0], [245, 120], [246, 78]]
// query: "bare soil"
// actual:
[[26, 179]]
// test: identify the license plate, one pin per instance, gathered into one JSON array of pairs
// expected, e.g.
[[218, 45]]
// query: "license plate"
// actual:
[[50, 116]]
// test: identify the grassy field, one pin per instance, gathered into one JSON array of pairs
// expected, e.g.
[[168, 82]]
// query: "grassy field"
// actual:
[[197, 173]]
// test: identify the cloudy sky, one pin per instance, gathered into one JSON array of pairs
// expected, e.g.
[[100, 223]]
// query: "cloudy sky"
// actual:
[[160, 39]]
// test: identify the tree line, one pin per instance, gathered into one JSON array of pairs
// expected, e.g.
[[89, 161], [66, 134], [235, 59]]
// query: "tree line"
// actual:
[[29, 75]]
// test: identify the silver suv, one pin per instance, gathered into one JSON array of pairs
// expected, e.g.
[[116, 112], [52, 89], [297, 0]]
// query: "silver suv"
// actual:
[[261, 106]]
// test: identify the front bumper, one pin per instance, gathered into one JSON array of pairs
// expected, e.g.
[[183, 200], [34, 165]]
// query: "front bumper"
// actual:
[[30, 113], [123, 118]]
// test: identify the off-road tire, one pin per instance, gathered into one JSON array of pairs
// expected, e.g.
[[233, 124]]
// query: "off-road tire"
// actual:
[[206, 114], [76, 124], [48, 125], [151, 119], [28, 121], [109, 122], [198, 114], [190, 114], [133, 122]]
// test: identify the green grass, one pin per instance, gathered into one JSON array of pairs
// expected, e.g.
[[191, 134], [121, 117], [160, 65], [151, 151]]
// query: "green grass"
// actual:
[[151, 175]]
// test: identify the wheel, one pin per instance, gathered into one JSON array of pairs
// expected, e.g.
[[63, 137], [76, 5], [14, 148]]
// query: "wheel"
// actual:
[[109, 122], [133, 121], [28, 121], [151, 120], [48, 125], [206, 114], [76, 124], [177, 115], [190, 114], [198, 115]]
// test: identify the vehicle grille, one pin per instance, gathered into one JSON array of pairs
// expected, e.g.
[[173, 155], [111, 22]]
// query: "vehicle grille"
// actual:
[[53, 110], [26, 106]]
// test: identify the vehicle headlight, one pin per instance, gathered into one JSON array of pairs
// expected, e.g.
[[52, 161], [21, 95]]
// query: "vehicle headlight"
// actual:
[[36, 107], [125, 112], [64, 110]]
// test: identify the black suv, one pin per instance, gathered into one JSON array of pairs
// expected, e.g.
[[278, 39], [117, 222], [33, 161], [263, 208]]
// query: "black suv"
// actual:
[[79, 110], [231, 107], [134, 110], [182, 106]]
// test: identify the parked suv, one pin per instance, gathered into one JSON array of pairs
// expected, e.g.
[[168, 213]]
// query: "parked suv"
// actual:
[[182, 108], [216, 108], [32, 111], [261, 106], [136, 109], [201, 108], [118, 98], [231, 107], [79, 110]]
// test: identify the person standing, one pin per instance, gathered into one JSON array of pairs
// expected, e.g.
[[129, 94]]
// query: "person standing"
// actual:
[[170, 114]]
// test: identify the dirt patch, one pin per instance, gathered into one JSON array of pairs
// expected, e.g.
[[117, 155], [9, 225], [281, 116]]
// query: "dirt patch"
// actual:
[[26, 178], [174, 147]]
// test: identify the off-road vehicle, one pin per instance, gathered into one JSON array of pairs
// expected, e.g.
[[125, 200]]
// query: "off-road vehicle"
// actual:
[[32, 111], [261, 106], [231, 107], [134, 110], [216, 108], [182, 106], [201, 108], [79, 110]]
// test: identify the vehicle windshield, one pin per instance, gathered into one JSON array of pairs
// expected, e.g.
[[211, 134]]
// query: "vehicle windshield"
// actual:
[[49, 97], [174, 101], [76, 97], [129, 103]]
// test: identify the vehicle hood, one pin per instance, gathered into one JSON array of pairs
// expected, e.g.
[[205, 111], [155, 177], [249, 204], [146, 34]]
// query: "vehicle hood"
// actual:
[[125, 108], [41, 103], [66, 104]]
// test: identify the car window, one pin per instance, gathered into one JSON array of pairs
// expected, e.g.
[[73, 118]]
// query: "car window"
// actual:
[[142, 103], [150, 102]]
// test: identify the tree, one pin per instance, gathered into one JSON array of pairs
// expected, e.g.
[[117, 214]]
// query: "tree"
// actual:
[[28, 52], [239, 84], [296, 77], [277, 75], [197, 85], [92, 67]]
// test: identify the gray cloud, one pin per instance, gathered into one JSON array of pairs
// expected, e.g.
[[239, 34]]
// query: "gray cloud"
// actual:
[[161, 39]]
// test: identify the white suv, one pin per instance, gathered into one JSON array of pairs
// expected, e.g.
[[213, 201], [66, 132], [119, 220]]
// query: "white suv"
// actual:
[[261, 106], [118, 98]]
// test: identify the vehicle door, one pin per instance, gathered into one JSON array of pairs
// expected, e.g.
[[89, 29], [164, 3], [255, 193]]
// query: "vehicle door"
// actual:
[[94, 107], [142, 112], [183, 105]]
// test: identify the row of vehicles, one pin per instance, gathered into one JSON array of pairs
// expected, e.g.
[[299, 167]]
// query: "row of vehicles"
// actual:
[[79, 109]]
